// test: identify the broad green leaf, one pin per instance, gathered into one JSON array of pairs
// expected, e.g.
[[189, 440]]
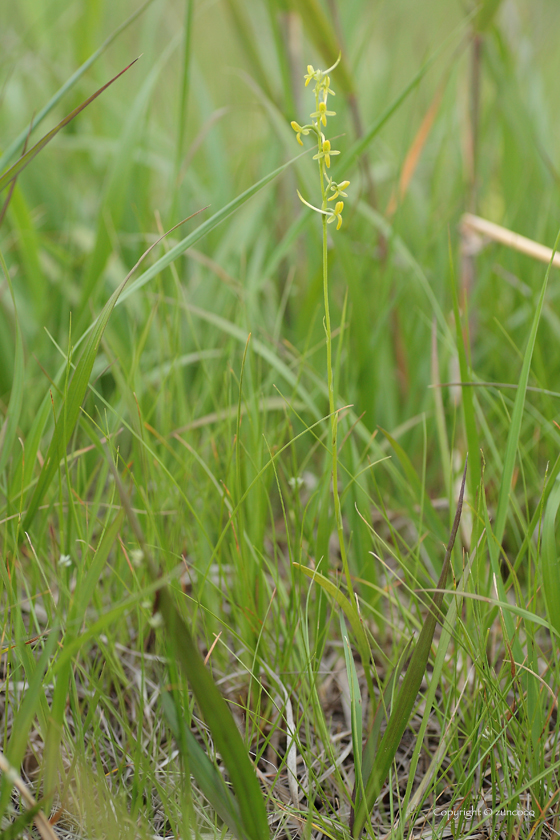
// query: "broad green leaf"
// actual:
[[355, 702], [372, 742]]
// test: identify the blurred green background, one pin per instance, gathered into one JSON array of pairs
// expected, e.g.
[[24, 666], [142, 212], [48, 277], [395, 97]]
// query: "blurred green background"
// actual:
[[453, 108]]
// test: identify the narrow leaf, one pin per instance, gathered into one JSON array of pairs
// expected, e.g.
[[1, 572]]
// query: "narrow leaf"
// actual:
[[16, 144], [69, 413], [9, 429], [26, 159], [406, 697], [550, 558], [345, 604], [219, 719], [207, 776], [517, 414]]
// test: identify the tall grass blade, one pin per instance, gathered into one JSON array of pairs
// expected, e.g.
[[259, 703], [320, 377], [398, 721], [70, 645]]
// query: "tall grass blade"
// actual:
[[517, 413], [16, 144], [218, 717], [70, 410], [25, 715], [26, 159], [322, 33], [207, 776], [550, 558], [9, 427], [372, 743], [404, 703]]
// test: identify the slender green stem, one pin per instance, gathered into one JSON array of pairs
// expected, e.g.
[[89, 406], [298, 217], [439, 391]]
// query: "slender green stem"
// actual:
[[330, 377]]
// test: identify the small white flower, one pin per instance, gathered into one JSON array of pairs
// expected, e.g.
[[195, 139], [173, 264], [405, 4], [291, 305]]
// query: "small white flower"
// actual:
[[296, 482], [156, 620], [65, 560], [136, 557]]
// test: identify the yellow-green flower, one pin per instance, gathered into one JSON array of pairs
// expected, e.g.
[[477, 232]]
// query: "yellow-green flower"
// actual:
[[336, 214], [322, 113], [299, 131], [338, 190], [326, 87], [312, 74], [326, 153]]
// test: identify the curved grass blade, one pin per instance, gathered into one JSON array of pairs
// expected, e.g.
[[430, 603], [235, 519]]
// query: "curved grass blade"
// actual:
[[207, 776], [15, 145], [70, 410], [406, 697], [26, 159], [345, 604], [204, 228], [218, 717]]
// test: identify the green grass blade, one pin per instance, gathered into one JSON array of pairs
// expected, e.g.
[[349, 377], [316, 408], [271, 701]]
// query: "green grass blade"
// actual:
[[434, 522], [9, 428], [207, 776], [473, 443], [26, 159], [361, 144], [70, 410], [550, 558], [517, 413], [218, 717], [204, 228], [17, 828], [87, 582], [355, 699], [406, 697], [25, 715], [115, 190], [16, 144], [345, 604], [372, 743], [321, 32]]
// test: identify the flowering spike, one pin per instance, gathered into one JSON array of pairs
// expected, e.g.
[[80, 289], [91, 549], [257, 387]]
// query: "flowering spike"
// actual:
[[330, 189]]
